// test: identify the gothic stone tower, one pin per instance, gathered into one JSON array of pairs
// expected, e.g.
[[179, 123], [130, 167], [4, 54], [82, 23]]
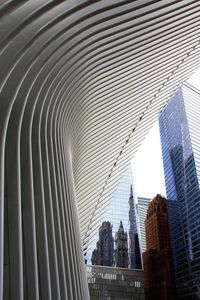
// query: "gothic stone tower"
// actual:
[[121, 248]]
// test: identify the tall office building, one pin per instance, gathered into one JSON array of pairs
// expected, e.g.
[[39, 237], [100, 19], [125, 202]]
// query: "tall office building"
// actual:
[[180, 138], [117, 209], [141, 211], [157, 259], [127, 212], [134, 245], [121, 248]]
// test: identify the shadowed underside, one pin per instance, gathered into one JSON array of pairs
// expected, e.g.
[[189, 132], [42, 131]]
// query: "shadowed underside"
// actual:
[[81, 83]]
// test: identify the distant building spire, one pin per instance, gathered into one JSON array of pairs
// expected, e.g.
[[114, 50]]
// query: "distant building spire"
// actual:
[[134, 247], [121, 248], [121, 228]]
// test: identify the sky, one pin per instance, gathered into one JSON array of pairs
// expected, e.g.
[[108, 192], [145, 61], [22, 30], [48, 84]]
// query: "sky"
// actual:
[[148, 175]]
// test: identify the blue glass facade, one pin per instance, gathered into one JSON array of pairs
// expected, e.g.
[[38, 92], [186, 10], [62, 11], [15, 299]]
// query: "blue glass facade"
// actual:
[[141, 209], [122, 207], [134, 243], [179, 130], [117, 210]]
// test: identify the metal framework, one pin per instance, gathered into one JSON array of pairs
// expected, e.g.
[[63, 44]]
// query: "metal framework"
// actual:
[[81, 83]]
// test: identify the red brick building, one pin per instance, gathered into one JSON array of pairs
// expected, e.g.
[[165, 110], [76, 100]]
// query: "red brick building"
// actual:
[[158, 275]]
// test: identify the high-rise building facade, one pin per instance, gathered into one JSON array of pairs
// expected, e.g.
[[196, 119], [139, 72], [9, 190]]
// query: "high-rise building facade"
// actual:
[[117, 208], [156, 224], [157, 259], [134, 245], [141, 212], [121, 248], [180, 138], [122, 207], [103, 255]]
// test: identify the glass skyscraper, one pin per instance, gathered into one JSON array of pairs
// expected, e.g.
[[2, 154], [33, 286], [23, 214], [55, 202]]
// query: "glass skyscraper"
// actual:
[[122, 207], [180, 138], [141, 208], [117, 209]]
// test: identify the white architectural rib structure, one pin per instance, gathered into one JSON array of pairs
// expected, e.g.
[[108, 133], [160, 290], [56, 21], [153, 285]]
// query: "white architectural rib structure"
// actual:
[[80, 84]]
